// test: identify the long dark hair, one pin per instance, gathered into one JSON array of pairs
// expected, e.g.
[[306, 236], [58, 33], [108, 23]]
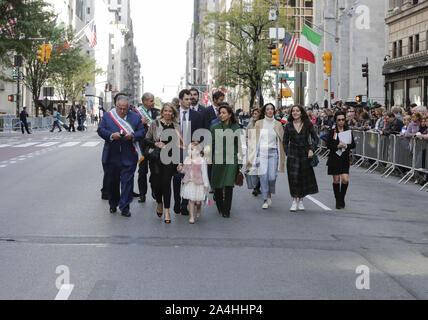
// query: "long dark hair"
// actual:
[[225, 105], [307, 123], [263, 115]]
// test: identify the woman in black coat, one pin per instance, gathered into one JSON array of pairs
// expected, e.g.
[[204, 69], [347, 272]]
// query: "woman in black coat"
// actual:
[[300, 144], [338, 166]]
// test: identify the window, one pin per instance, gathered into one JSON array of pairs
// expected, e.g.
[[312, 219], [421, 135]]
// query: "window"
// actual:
[[400, 48], [410, 45], [88, 10], [394, 50], [416, 43]]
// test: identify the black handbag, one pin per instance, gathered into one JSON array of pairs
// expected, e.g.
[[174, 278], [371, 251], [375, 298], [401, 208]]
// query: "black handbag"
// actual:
[[152, 153], [315, 161]]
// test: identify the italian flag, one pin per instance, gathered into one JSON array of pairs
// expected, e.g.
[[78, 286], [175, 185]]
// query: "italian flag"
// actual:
[[309, 43]]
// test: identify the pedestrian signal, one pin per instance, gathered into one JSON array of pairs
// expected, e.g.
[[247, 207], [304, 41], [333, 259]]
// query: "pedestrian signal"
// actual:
[[359, 98], [11, 98]]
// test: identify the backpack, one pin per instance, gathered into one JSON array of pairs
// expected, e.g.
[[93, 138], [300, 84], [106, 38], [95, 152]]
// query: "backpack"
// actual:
[[58, 116]]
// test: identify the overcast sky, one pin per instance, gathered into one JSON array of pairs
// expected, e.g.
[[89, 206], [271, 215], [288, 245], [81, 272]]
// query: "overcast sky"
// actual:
[[161, 30]]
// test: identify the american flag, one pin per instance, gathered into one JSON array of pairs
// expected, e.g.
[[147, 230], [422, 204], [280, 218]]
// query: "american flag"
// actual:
[[91, 34], [290, 47]]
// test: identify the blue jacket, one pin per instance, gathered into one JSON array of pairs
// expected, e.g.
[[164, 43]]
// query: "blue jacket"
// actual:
[[120, 152]]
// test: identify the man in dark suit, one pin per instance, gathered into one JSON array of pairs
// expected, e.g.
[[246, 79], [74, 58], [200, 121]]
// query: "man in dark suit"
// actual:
[[190, 121], [210, 113], [122, 130], [23, 117], [148, 101], [195, 100]]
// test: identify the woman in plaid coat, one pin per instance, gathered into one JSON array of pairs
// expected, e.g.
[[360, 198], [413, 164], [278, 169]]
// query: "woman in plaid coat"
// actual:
[[300, 144]]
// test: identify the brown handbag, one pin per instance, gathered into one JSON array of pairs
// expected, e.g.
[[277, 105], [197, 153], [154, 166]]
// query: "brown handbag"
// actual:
[[239, 180]]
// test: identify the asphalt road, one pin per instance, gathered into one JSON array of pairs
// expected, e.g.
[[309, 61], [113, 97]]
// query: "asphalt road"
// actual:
[[52, 215]]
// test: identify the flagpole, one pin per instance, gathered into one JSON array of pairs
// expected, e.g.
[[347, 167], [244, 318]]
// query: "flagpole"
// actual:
[[278, 101]]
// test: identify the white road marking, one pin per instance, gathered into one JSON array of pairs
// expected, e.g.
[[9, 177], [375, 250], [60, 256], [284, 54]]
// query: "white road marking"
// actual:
[[69, 144], [320, 204], [4, 145], [26, 145], [48, 144], [3, 166], [12, 162], [91, 144]]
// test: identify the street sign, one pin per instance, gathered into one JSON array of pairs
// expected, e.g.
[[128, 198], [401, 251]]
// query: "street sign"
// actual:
[[272, 15], [272, 33], [285, 77]]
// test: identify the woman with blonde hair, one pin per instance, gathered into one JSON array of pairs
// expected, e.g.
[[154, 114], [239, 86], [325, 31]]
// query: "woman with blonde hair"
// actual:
[[161, 173]]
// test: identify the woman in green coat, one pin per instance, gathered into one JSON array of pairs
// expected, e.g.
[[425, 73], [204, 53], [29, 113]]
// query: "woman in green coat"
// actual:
[[225, 158]]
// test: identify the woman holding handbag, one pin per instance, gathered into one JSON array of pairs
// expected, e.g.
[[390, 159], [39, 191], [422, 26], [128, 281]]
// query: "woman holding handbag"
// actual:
[[161, 173], [300, 144], [268, 154], [338, 160], [225, 170]]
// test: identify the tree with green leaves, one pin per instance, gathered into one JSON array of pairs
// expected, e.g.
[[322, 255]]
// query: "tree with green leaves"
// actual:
[[241, 38]]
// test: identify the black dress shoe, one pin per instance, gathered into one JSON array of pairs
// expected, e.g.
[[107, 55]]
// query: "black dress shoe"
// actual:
[[113, 210], [126, 214], [135, 195], [177, 209], [104, 197], [226, 214], [142, 199], [184, 212]]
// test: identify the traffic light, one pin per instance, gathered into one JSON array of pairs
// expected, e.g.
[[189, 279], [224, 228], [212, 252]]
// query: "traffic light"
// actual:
[[359, 98], [275, 58], [365, 69], [287, 93], [11, 98], [327, 62], [41, 53], [48, 50]]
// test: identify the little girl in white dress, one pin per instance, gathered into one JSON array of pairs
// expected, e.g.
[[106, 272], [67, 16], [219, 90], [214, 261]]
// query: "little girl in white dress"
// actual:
[[195, 182]]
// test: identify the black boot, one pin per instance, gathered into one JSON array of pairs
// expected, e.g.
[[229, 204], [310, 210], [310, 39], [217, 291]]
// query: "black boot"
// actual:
[[343, 190], [227, 201], [336, 189], [218, 198]]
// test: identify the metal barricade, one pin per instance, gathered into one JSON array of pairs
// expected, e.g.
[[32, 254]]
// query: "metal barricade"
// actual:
[[421, 158], [359, 138]]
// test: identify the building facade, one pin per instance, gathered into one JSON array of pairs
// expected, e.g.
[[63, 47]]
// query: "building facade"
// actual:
[[354, 34], [406, 64]]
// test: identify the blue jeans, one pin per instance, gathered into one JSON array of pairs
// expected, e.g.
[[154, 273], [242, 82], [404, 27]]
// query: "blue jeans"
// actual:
[[269, 162]]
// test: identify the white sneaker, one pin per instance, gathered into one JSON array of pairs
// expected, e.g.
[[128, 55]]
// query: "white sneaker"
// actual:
[[269, 202], [265, 206], [301, 207], [294, 207]]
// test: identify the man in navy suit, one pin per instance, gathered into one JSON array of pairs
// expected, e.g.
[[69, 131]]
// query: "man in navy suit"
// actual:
[[195, 100], [122, 130], [211, 113], [148, 100], [190, 121]]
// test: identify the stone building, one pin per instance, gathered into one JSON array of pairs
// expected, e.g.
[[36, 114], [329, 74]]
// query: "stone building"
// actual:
[[406, 65]]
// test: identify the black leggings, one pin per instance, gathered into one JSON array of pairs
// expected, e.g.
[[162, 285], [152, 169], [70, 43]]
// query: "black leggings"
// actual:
[[161, 185]]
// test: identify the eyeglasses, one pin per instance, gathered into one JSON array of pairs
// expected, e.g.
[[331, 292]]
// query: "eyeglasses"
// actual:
[[342, 119]]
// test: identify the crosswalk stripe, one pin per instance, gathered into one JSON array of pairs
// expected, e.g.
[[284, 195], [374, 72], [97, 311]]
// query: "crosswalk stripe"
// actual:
[[26, 145], [4, 145], [91, 144], [48, 144], [69, 144]]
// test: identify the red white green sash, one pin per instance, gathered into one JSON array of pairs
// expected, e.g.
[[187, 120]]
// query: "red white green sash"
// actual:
[[126, 127], [144, 114]]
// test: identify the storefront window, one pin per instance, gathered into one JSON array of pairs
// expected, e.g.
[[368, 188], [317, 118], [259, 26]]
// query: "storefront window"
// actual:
[[399, 93], [415, 91]]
